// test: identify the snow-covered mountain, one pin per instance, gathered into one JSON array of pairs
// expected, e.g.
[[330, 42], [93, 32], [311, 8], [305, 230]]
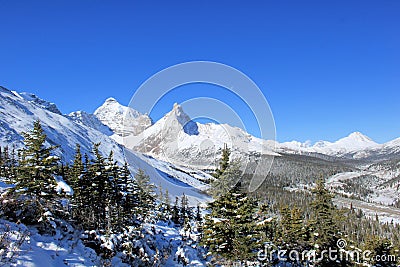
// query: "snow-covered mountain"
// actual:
[[17, 115], [40, 102], [122, 120], [91, 121], [176, 138], [353, 145]]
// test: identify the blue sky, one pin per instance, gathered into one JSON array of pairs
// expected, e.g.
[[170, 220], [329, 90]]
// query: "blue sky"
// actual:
[[327, 68]]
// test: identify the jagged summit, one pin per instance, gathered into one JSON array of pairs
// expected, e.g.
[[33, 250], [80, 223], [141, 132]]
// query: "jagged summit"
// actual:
[[38, 101], [122, 120], [177, 114]]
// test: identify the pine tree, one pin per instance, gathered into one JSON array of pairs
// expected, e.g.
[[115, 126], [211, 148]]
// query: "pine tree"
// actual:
[[382, 252], [131, 203], [323, 224], [37, 167], [164, 206], [73, 178], [185, 210], [146, 195], [167, 205], [114, 195], [223, 163], [230, 229], [99, 188], [175, 212], [293, 234]]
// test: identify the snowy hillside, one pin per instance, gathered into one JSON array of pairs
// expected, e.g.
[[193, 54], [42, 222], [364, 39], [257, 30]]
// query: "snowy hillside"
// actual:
[[19, 114], [91, 121]]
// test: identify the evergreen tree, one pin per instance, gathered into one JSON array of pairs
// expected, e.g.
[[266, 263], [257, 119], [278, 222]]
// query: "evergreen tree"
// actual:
[[185, 210], [175, 212], [382, 252], [114, 195], [224, 162], [37, 167], [167, 205], [73, 179], [164, 206], [323, 224], [130, 189], [99, 188], [146, 195], [230, 229], [293, 233]]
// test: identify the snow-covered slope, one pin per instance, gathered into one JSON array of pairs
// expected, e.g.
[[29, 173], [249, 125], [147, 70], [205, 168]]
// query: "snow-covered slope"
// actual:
[[18, 115], [353, 143], [40, 102], [177, 139], [91, 121], [122, 120]]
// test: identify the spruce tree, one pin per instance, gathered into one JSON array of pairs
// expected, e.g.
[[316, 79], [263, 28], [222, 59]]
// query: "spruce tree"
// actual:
[[146, 195], [229, 230], [324, 227], [99, 188], [37, 166], [223, 163], [175, 217], [382, 252], [130, 190], [73, 179]]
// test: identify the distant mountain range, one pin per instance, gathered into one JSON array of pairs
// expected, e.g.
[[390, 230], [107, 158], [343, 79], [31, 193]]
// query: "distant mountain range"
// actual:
[[179, 153], [177, 138]]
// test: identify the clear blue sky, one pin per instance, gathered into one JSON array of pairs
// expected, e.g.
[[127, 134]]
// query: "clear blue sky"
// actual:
[[327, 68]]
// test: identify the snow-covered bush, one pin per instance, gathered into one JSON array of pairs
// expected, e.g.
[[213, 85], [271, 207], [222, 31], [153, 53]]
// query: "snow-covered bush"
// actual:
[[10, 241]]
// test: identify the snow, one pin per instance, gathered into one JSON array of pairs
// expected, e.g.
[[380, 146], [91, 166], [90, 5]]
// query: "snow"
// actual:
[[91, 121], [19, 114], [177, 139], [169, 177], [352, 144], [39, 250], [122, 120], [62, 186]]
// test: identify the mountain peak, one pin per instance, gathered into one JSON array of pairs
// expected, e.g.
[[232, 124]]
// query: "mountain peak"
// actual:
[[120, 119], [178, 115], [176, 106], [359, 137], [111, 99]]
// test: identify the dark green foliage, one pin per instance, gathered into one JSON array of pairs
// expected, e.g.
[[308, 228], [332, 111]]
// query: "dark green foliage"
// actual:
[[36, 167], [223, 163], [106, 198], [33, 199], [146, 195], [175, 212], [382, 252], [230, 229]]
